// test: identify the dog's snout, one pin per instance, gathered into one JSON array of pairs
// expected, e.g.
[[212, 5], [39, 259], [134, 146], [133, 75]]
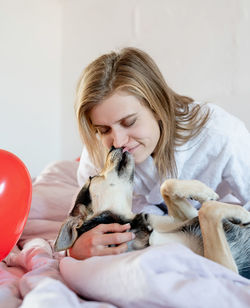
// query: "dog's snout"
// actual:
[[121, 161], [112, 149], [115, 153]]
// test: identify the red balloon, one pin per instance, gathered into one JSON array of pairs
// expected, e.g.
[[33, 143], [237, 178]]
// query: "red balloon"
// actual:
[[15, 200]]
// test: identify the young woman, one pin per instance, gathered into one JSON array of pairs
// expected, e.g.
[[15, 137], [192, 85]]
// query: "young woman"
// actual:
[[123, 101]]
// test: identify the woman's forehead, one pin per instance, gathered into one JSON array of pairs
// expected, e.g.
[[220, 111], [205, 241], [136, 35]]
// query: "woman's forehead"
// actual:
[[115, 108]]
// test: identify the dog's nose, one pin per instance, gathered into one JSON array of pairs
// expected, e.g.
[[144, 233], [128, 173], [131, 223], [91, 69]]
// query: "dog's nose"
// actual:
[[112, 149]]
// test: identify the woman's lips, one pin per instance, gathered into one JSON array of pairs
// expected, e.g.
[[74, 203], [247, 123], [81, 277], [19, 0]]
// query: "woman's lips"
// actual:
[[131, 149]]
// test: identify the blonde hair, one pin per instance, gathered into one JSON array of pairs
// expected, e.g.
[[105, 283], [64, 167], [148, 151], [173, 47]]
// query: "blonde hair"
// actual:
[[134, 71]]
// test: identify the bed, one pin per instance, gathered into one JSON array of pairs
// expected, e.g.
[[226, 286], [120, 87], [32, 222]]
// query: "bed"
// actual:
[[32, 275]]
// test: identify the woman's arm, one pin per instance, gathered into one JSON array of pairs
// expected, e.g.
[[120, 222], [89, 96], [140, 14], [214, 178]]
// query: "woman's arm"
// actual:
[[237, 170]]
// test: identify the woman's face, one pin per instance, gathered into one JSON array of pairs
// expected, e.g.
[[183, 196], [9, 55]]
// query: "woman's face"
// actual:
[[123, 121]]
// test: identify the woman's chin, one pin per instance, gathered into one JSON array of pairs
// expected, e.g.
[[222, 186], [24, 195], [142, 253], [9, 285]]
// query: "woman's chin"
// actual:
[[140, 158]]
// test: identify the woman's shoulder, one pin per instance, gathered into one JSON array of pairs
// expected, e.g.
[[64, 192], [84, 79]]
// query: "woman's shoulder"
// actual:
[[223, 122], [221, 129]]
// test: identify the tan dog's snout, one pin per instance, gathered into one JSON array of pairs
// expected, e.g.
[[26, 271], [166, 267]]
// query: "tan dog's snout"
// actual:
[[121, 162]]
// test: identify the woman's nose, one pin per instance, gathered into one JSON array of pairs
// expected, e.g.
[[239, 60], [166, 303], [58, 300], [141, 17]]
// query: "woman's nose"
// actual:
[[120, 138]]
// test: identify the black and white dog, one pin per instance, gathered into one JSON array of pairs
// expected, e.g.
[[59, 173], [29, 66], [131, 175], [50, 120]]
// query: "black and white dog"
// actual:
[[218, 231]]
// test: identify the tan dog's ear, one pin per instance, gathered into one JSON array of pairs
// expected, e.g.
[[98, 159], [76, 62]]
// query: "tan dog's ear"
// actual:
[[68, 233]]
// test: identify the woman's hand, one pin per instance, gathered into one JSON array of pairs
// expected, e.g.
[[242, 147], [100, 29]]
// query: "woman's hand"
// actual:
[[96, 241]]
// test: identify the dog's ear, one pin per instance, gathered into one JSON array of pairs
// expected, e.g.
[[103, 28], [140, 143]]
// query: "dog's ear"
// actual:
[[68, 233]]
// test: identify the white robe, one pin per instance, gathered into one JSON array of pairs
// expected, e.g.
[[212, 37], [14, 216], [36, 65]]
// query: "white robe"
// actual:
[[219, 157]]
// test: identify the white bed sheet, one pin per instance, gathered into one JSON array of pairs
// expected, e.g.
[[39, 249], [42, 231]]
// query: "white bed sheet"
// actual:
[[33, 275]]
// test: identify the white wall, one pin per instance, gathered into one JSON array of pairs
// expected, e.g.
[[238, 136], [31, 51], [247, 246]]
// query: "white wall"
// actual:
[[202, 48], [30, 80]]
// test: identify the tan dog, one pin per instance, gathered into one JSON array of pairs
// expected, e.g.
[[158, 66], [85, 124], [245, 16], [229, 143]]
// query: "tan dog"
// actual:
[[218, 231]]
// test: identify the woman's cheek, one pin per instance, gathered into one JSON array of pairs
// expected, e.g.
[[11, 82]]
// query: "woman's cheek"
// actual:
[[106, 142]]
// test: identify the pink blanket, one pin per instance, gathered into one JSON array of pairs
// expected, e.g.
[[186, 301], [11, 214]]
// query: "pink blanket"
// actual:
[[165, 276]]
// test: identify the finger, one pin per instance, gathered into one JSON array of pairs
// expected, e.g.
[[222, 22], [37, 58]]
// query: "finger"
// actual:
[[115, 227], [113, 250], [114, 238]]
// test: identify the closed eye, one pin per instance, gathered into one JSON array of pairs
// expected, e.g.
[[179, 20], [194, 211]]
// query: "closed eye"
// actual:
[[125, 122], [103, 130], [128, 122]]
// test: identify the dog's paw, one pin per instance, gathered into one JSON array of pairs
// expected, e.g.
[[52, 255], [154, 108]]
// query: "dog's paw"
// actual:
[[205, 194], [145, 221], [213, 210], [238, 221], [141, 221], [188, 189]]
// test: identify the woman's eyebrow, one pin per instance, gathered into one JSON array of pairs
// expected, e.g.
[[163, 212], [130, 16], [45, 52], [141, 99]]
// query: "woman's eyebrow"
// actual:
[[127, 117], [122, 119]]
